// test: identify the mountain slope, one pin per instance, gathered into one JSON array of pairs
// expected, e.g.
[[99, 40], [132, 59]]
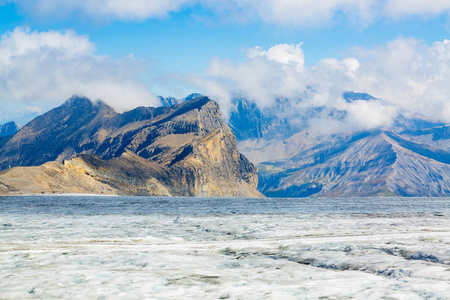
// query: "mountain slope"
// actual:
[[188, 147], [369, 164], [299, 156], [436, 136], [61, 132]]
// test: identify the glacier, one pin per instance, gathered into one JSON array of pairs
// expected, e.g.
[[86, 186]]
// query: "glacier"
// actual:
[[83, 247]]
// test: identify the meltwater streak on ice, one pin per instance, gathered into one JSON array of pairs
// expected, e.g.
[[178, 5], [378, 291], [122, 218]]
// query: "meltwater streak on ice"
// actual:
[[94, 205]]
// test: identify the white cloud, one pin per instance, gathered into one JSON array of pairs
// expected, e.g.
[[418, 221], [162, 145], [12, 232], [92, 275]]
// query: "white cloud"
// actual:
[[48, 67], [31, 109], [265, 76], [293, 12], [282, 53], [369, 114], [306, 12], [317, 13], [299, 13], [405, 74], [282, 12], [22, 41], [408, 74], [398, 8], [102, 9]]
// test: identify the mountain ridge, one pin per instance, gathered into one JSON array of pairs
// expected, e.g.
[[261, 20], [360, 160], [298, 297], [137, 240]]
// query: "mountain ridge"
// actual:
[[296, 160], [371, 165], [189, 141], [411, 158]]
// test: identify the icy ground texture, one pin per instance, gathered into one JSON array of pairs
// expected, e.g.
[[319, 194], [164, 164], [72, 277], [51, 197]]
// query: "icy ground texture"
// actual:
[[253, 256]]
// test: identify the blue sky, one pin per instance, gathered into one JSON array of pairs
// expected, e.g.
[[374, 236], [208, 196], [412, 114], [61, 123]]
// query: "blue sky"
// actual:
[[132, 51]]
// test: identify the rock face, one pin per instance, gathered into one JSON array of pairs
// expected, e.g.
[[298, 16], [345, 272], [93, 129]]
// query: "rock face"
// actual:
[[181, 150], [412, 158], [9, 128], [169, 101], [368, 164]]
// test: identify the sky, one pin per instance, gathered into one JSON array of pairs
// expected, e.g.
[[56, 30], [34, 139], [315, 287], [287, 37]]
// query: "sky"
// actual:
[[128, 52]]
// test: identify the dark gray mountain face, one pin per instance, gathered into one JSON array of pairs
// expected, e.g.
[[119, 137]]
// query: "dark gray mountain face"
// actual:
[[189, 144], [352, 96], [279, 121], [248, 121], [410, 159], [72, 128], [368, 164], [81, 126], [437, 137], [10, 128]]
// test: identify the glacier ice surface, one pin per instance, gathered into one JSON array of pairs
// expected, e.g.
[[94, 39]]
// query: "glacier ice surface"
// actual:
[[54, 247]]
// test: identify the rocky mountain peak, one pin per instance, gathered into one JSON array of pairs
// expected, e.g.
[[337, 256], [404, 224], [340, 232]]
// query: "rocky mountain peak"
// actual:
[[193, 96], [76, 100], [83, 104], [351, 96], [9, 129], [184, 149]]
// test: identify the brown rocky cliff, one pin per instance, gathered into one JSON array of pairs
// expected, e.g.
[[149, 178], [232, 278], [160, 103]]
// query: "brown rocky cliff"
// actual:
[[183, 150]]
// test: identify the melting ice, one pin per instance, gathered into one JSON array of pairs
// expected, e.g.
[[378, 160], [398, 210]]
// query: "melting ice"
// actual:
[[184, 248]]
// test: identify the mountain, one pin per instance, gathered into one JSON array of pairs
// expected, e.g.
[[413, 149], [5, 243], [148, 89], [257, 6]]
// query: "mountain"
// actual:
[[294, 159], [373, 163], [437, 136], [9, 128], [353, 96], [247, 120], [193, 96], [169, 101], [180, 150]]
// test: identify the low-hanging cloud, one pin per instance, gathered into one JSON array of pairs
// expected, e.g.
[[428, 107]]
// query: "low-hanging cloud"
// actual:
[[405, 74], [50, 66], [266, 75], [408, 74]]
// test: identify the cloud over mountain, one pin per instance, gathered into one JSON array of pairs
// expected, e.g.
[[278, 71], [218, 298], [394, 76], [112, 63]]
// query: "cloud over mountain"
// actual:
[[404, 73], [50, 66]]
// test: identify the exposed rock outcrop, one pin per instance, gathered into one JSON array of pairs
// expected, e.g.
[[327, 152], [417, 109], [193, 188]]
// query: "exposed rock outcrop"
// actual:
[[10, 128], [181, 150]]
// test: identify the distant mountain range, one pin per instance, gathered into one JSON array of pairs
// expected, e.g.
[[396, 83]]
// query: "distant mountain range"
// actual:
[[411, 158], [373, 163], [184, 149]]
